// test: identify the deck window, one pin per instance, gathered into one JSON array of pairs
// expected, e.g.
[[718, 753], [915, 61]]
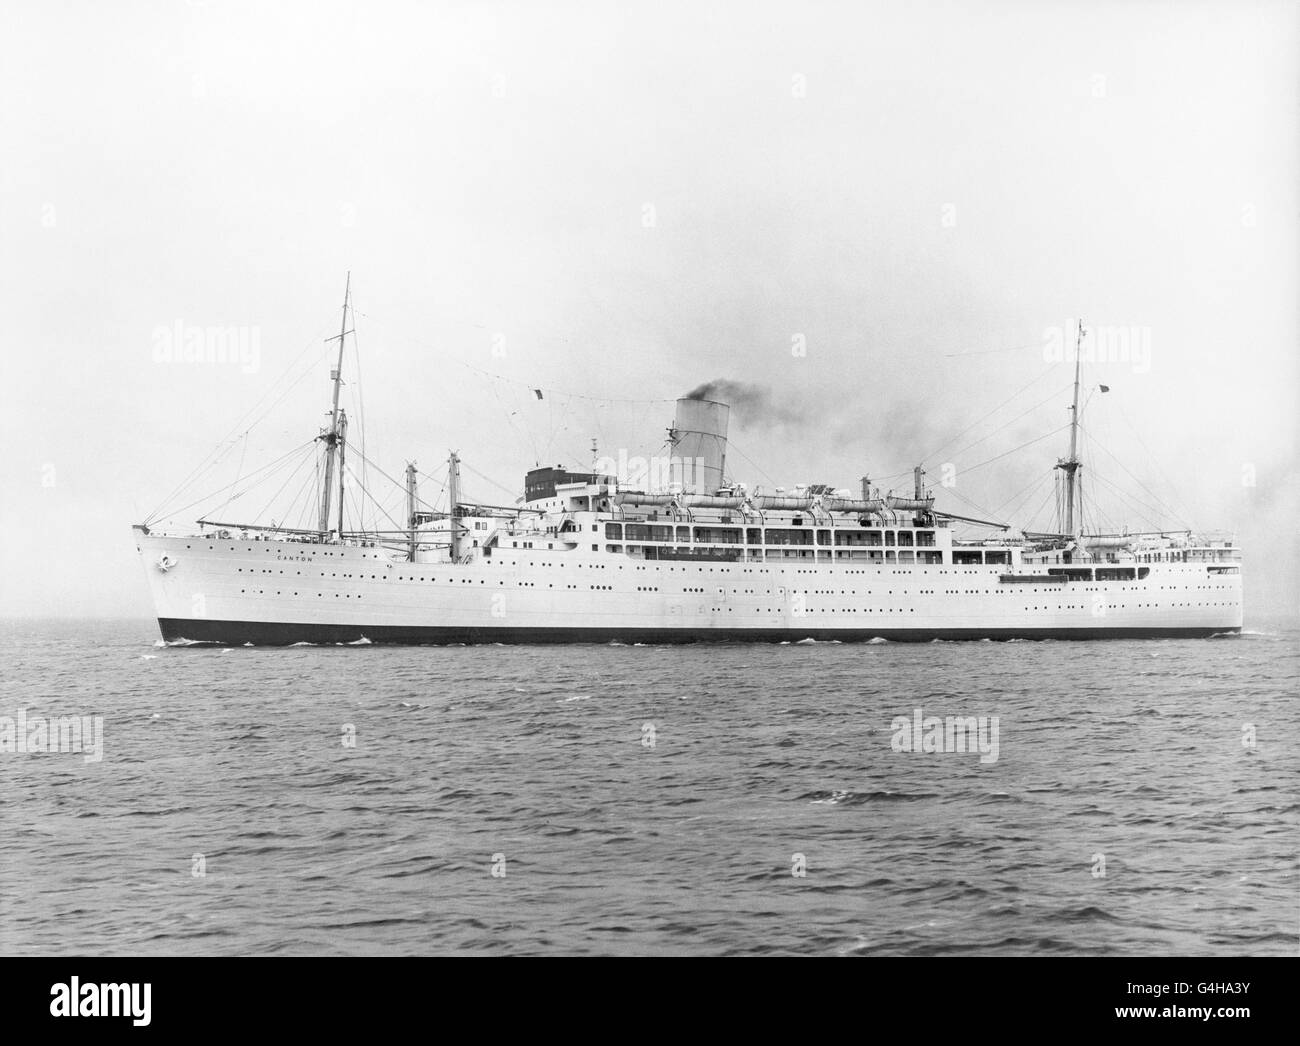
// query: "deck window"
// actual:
[[1073, 573], [647, 532], [788, 537], [717, 535], [857, 537]]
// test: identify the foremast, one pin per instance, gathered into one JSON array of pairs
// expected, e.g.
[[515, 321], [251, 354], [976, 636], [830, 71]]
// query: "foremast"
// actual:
[[335, 435], [1070, 465]]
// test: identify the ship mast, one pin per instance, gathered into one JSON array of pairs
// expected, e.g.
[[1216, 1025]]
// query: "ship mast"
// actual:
[[453, 495], [412, 497], [1071, 464], [333, 437]]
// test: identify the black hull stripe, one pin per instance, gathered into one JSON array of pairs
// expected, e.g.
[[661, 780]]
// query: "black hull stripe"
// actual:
[[275, 633]]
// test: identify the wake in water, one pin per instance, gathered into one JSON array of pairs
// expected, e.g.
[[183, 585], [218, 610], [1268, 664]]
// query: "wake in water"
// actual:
[[849, 798]]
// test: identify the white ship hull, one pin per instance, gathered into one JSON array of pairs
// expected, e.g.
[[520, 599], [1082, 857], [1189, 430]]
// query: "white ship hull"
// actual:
[[275, 592]]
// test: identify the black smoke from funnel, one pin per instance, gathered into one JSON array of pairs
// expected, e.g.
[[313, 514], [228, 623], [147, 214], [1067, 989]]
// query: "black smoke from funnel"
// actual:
[[749, 401], [886, 436]]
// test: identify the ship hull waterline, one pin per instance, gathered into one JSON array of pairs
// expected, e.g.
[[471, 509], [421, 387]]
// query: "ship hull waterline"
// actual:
[[279, 633]]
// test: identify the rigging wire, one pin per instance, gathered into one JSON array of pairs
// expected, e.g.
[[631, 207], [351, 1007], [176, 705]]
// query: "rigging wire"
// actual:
[[989, 352], [308, 503], [239, 471], [1154, 461], [522, 384], [1056, 529], [732, 446], [930, 457], [561, 398], [213, 457], [511, 414], [1017, 512], [361, 411], [1035, 407], [488, 479], [980, 421], [433, 506], [288, 480], [967, 501], [1142, 486], [278, 462], [1013, 450], [357, 479], [1135, 506], [1027, 489]]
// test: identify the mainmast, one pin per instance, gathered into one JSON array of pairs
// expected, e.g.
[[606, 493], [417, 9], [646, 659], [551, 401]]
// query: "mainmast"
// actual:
[[453, 495], [1071, 464], [334, 436], [342, 430], [412, 497]]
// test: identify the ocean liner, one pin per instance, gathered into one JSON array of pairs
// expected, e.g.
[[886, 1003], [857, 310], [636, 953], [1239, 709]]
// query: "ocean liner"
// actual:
[[693, 555]]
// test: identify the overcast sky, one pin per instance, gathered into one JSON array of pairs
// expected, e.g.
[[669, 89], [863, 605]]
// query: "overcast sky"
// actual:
[[881, 213]]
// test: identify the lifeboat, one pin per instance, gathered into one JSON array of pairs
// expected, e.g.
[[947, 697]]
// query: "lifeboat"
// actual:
[[1107, 542], [875, 505], [909, 504], [784, 504], [710, 501], [634, 499]]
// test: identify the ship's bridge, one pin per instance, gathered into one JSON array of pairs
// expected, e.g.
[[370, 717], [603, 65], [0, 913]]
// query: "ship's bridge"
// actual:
[[557, 489]]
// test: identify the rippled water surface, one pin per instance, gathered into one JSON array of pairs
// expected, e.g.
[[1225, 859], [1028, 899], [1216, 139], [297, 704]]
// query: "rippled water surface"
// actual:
[[652, 799]]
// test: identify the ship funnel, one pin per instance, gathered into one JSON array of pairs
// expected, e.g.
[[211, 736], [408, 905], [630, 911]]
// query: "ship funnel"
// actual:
[[698, 443]]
